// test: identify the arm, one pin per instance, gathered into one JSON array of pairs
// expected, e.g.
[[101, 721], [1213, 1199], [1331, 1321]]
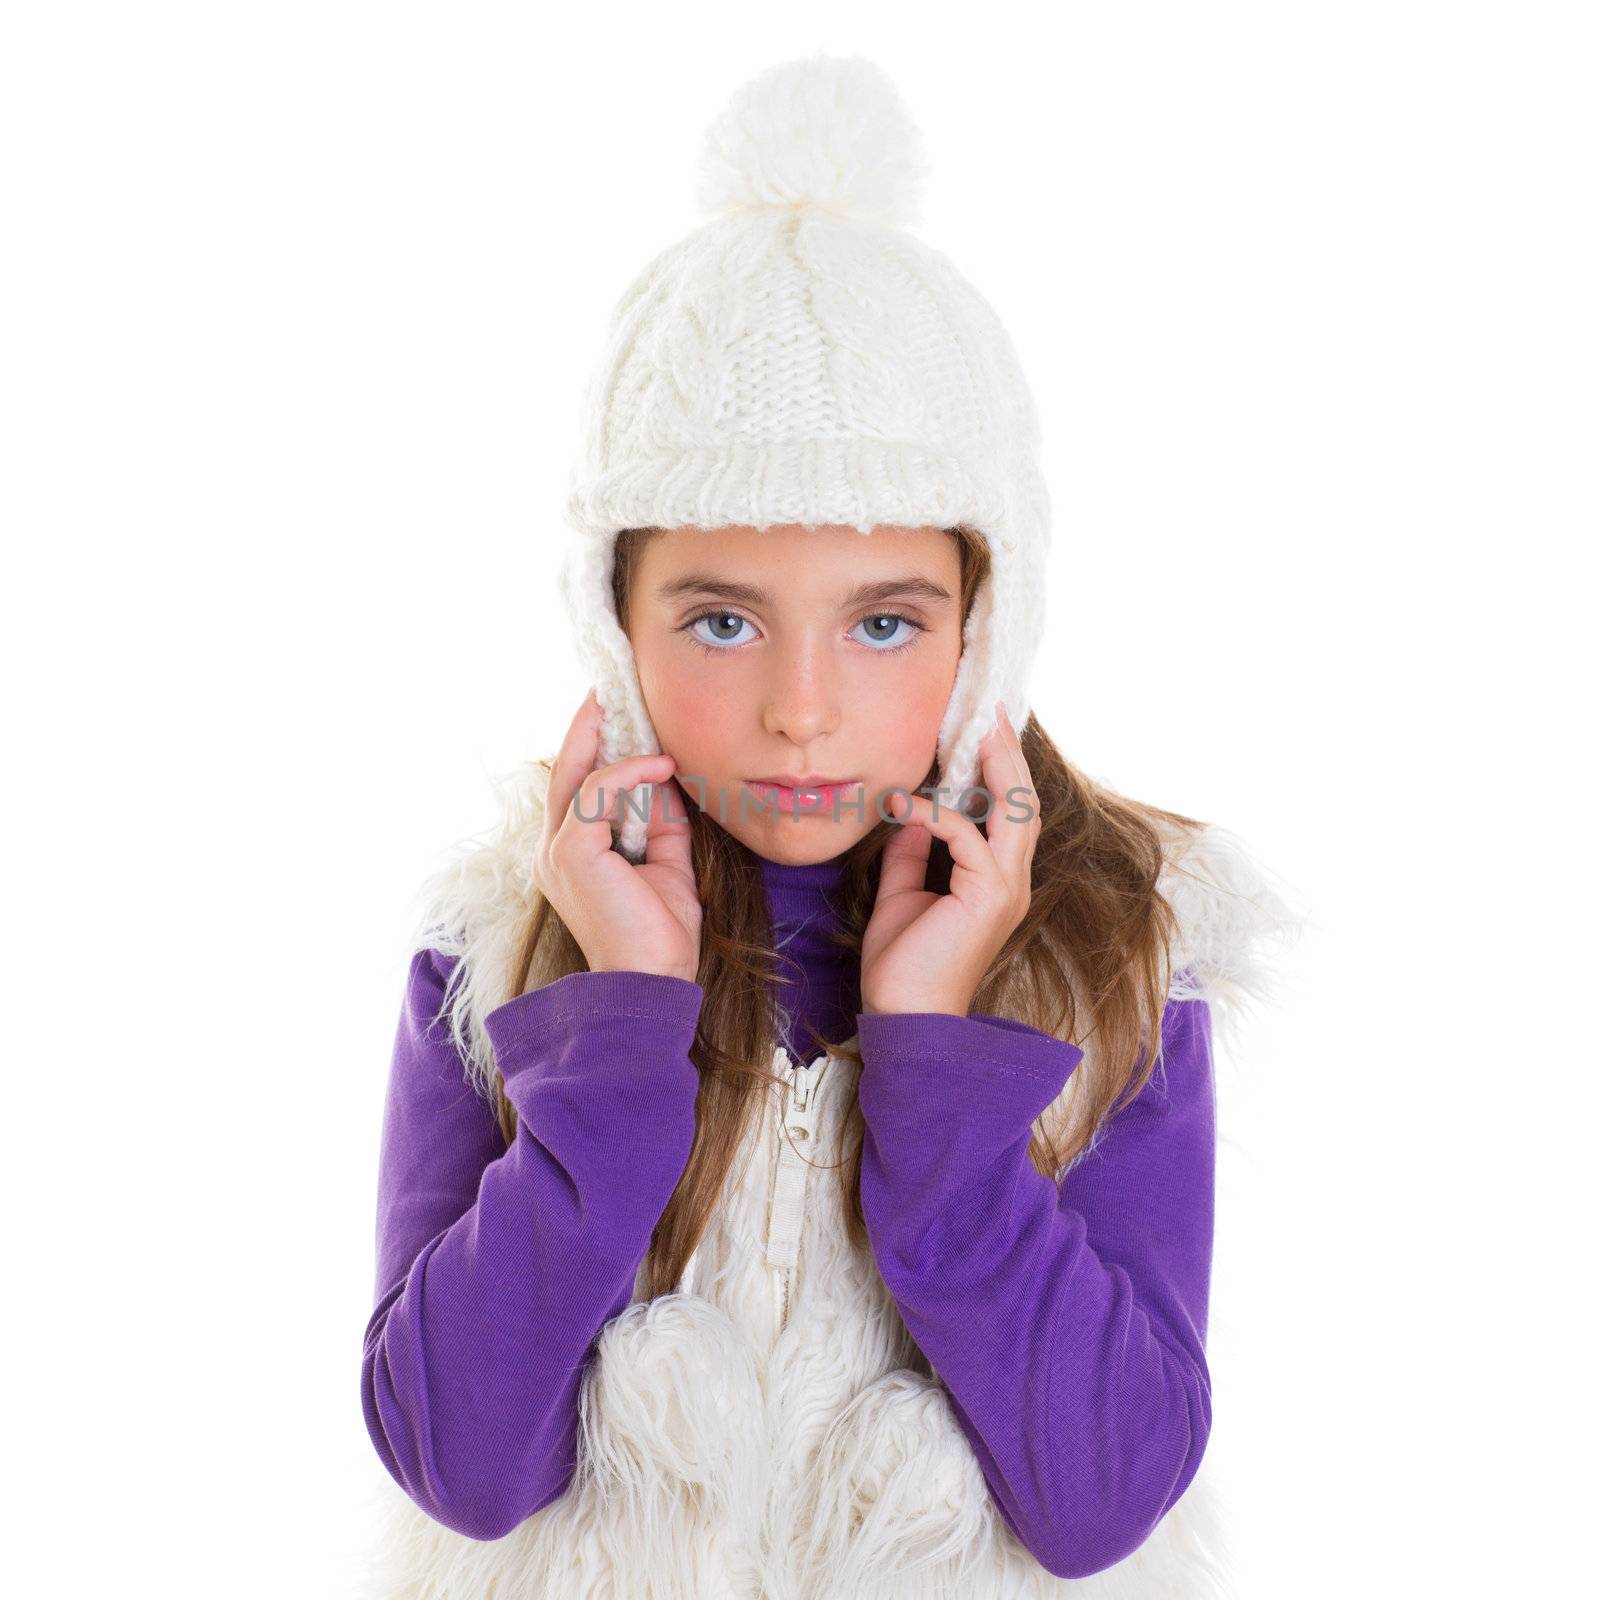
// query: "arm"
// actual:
[[497, 1267], [1068, 1325]]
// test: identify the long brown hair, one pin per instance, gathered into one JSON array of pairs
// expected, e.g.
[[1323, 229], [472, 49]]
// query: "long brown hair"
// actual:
[[1096, 913]]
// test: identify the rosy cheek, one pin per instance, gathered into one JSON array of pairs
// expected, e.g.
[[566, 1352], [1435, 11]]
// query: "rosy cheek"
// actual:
[[917, 726], [896, 720], [692, 710]]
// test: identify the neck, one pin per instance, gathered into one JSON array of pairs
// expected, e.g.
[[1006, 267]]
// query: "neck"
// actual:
[[799, 892], [804, 910], [827, 874]]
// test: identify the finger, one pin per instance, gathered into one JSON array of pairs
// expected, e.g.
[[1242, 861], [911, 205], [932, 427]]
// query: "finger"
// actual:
[[903, 865], [1013, 805], [574, 761], [1021, 773], [969, 850], [1025, 799], [587, 825], [668, 836]]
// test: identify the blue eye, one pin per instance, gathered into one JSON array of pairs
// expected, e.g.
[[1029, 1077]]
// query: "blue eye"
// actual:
[[723, 631], [717, 641], [887, 644]]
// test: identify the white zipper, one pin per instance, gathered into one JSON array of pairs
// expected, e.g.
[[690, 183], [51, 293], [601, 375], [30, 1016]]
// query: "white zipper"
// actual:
[[796, 1134]]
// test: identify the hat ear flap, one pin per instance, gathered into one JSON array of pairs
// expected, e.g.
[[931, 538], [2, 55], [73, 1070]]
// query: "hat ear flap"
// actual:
[[964, 724], [607, 656]]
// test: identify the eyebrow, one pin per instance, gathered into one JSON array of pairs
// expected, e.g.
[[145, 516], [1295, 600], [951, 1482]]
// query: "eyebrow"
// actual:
[[749, 594]]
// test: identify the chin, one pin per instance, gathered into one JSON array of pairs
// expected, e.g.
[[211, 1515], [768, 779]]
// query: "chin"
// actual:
[[801, 844]]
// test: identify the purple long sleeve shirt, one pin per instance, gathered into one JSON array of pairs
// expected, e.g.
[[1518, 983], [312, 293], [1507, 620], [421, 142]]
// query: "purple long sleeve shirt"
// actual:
[[1067, 1322]]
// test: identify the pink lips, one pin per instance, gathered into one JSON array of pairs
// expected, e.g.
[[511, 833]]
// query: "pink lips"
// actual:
[[798, 798]]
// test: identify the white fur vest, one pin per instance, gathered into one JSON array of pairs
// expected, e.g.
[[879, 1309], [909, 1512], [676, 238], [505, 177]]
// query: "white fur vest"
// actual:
[[769, 1430]]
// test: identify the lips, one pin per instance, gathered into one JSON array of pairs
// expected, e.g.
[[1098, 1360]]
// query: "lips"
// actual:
[[796, 795]]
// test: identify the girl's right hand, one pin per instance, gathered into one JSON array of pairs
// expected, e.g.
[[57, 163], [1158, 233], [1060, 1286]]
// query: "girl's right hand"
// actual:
[[626, 918]]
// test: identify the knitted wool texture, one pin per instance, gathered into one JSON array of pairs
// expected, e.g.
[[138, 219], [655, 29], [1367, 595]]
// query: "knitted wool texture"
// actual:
[[802, 358]]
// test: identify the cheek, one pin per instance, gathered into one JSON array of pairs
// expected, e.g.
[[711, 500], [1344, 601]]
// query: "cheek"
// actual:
[[691, 708], [904, 710]]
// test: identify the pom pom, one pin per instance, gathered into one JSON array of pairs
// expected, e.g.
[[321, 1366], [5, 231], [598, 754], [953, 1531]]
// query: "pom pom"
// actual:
[[825, 131]]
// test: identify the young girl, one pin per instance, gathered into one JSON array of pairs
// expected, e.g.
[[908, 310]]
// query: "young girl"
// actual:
[[797, 1169]]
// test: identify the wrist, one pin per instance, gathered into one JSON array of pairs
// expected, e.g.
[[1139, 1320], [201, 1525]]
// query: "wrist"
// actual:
[[915, 1005], [648, 970]]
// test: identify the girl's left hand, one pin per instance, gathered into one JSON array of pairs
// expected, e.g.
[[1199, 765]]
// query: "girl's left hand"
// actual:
[[923, 951]]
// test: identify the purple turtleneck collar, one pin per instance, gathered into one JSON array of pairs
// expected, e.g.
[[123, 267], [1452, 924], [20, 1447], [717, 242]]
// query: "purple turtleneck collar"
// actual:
[[814, 875], [804, 910]]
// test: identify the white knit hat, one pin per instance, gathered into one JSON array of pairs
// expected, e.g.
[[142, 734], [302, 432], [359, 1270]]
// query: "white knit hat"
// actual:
[[802, 358]]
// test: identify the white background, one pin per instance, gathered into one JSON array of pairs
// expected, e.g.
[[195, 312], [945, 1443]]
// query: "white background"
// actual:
[[299, 303]]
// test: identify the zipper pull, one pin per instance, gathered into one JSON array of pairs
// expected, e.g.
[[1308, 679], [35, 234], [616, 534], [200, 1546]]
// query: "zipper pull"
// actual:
[[802, 1118], [789, 1181], [805, 1080]]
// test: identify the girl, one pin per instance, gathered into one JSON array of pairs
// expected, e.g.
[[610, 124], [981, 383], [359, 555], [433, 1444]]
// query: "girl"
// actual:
[[797, 1170]]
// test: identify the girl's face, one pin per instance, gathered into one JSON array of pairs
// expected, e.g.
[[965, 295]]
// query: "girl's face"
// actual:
[[797, 652]]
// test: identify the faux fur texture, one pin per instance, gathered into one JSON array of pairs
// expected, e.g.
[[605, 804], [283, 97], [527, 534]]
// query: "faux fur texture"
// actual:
[[725, 1458]]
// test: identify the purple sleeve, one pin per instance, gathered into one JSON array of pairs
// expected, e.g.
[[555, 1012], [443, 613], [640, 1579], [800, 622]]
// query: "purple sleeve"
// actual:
[[1067, 1324], [498, 1266]]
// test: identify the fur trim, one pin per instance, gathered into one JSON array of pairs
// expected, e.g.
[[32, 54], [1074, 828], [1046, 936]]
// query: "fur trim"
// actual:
[[1234, 918], [476, 907]]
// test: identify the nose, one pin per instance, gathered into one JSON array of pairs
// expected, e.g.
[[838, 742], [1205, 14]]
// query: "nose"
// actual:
[[802, 696]]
